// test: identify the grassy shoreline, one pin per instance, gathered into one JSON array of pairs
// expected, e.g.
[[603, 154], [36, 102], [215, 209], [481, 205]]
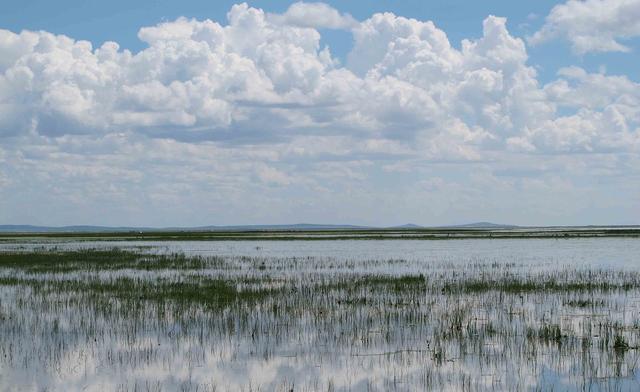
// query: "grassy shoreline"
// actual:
[[342, 234]]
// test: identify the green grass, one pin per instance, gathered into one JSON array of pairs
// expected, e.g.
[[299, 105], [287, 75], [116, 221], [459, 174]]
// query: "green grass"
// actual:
[[99, 259], [530, 285], [136, 310]]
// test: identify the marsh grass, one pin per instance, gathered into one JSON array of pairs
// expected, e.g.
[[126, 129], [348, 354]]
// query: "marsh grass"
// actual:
[[99, 259], [175, 322]]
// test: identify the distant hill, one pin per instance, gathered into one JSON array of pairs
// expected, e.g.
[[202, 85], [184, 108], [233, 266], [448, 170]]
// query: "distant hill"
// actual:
[[485, 225], [408, 226], [297, 226], [103, 229], [67, 229], [292, 227]]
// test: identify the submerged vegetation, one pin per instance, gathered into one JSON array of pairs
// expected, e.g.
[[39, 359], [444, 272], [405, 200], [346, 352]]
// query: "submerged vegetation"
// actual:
[[146, 319]]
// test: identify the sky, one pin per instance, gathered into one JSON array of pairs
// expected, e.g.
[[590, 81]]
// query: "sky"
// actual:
[[162, 113]]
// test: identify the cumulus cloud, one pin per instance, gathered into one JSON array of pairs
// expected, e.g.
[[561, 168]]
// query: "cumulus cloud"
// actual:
[[606, 116], [262, 78], [214, 113], [315, 15], [592, 25]]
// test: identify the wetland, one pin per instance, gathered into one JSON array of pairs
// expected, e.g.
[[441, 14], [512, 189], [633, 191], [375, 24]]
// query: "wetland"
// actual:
[[264, 314]]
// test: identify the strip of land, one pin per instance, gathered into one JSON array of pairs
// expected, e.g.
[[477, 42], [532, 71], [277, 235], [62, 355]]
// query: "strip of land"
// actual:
[[335, 234]]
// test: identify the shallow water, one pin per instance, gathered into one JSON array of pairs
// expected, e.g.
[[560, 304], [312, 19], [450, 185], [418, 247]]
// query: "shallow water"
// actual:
[[595, 252], [324, 333]]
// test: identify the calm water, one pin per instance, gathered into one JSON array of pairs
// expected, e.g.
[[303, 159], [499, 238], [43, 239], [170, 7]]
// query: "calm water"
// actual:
[[381, 340], [581, 252]]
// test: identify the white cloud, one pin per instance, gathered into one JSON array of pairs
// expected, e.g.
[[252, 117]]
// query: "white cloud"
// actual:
[[607, 116], [271, 175], [260, 79], [592, 25], [586, 131], [315, 15], [227, 115]]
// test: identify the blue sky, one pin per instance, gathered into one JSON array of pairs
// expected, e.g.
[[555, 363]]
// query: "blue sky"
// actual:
[[100, 21], [245, 119]]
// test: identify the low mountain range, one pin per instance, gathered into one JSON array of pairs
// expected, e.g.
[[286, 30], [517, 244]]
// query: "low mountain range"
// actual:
[[292, 227]]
